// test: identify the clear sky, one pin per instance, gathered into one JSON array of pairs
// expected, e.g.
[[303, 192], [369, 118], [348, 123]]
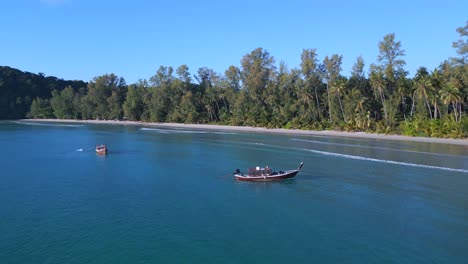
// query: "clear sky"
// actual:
[[82, 39]]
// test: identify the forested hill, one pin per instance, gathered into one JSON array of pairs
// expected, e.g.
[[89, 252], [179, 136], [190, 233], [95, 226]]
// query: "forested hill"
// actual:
[[18, 89]]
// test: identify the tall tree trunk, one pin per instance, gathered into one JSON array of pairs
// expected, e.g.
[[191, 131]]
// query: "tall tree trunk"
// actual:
[[455, 111], [341, 106], [435, 109], [428, 107], [329, 106], [225, 105], [217, 107], [403, 104], [318, 104], [382, 97]]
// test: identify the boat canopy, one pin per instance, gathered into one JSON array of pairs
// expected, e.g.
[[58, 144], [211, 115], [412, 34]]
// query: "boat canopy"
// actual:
[[257, 171]]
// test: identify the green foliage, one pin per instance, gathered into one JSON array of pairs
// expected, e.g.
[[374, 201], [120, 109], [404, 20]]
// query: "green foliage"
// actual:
[[134, 103], [315, 96], [464, 127], [105, 97], [390, 58], [445, 128], [257, 70], [17, 89], [64, 104], [188, 109], [40, 108], [115, 106], [462, 44]]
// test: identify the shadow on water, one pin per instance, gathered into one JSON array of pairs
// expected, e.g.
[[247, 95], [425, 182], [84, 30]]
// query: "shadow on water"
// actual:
[[262, 184], [268, 184]]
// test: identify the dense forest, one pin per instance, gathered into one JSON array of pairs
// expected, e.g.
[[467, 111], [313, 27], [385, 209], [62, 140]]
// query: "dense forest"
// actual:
[[18, 90], [316, 95]]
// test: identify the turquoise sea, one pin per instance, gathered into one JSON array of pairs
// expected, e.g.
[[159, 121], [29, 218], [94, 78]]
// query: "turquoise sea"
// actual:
[[168, 196]]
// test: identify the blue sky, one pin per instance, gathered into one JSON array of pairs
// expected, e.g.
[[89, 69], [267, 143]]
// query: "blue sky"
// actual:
[[82, 39]]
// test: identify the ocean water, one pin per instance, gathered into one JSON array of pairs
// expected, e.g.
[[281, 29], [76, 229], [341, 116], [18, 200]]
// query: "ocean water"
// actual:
[[168, 196]]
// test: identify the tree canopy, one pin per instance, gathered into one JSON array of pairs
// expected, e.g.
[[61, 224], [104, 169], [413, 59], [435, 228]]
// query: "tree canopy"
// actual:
[[315, 95]]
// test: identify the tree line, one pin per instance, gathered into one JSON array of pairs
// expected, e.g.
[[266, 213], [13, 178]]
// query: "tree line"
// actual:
[[18, 90], [315, 95]]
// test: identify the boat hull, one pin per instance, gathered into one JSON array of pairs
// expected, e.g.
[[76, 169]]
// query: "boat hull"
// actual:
[[282, 176], [101, 152]]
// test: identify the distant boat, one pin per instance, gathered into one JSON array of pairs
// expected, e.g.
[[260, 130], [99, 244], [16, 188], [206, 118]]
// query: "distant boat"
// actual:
[[265, 174], [101, 149]]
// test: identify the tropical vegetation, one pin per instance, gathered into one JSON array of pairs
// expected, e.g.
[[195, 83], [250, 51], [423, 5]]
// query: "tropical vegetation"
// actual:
[[316, 95]]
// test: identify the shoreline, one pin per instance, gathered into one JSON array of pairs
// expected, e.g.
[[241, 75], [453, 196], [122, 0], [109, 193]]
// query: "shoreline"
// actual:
[[246, 129]]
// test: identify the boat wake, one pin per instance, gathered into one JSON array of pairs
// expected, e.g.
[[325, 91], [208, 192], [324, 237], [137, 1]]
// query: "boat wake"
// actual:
[[385, 161], [162, 131], [223, 133], [82, 149], [400, 163], [172, 131], [46, 124], [180, 131], [371, 147]]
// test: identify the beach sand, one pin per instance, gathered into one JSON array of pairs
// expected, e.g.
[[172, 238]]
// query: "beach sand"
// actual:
[[247, 129]]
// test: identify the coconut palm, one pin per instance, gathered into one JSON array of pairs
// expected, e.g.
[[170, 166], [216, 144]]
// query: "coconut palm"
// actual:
[[450, 95], [437, 82], [378, 85], [337, 88], [423, 87]]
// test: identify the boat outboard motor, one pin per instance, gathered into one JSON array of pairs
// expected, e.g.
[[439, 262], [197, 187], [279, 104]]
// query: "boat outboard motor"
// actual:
[[237, 171]]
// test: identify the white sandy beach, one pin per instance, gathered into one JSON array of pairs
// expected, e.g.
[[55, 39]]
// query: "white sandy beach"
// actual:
[[246, 129]]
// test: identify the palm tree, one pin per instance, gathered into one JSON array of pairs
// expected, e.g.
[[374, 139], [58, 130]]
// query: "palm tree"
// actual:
[[378, 84], [337, 88], [305, 103], [355, 104], [451, 95], [331, 71], [423, 86]]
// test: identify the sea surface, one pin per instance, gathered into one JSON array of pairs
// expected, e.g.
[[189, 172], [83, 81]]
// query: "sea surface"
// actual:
[[168, 196]]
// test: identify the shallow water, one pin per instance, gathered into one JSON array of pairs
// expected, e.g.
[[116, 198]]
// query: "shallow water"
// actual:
[[167, 195]]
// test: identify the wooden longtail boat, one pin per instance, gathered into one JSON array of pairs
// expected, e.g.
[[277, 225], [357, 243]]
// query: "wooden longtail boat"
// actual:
[[101, 149], [265, 174]]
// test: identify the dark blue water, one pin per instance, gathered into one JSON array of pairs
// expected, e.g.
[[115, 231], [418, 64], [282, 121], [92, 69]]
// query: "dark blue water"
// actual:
[[167, 196]]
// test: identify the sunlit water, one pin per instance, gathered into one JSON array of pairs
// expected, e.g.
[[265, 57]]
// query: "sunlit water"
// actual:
[[168, 196]]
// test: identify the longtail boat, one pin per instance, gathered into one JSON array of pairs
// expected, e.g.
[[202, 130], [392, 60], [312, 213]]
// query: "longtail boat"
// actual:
[[101, 149], [265, 174]]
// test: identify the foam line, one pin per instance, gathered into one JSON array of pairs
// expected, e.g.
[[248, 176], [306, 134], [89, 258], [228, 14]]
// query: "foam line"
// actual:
[[163, 131], [188, 131], [171, 131], [224, 133], [385, 161], [366, 159], [180, 131], [45, 124], [370, 147]]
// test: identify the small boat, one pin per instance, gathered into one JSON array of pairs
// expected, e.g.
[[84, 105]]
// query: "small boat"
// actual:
[[265, 174], [101, 149]]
